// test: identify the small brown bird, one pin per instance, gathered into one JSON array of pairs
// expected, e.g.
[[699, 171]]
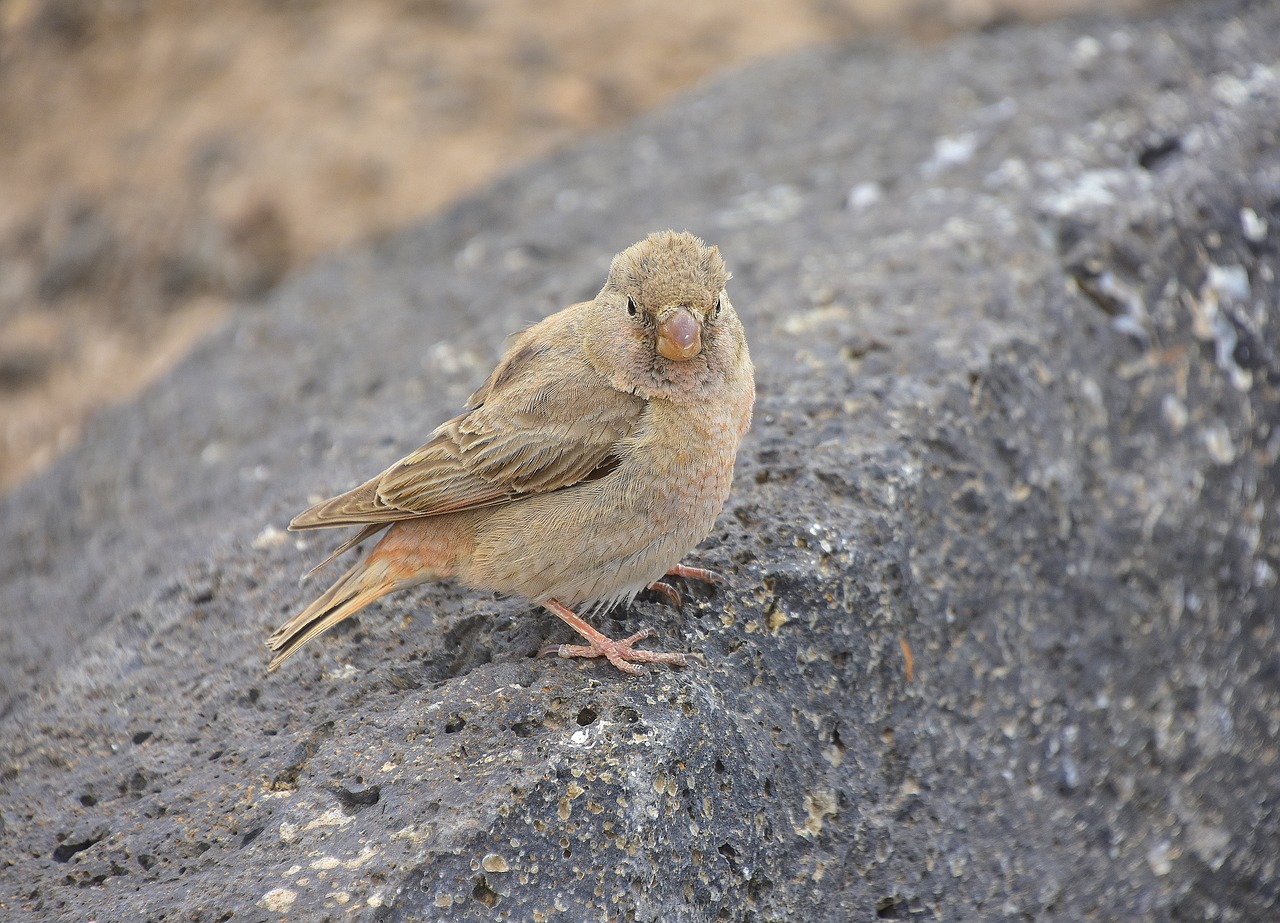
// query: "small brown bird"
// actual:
[[599, 451]]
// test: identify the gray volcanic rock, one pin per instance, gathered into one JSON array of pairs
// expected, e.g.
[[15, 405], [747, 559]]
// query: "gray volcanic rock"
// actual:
[[999, 639]]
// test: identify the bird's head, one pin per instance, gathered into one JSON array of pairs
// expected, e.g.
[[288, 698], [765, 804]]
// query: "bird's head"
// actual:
[[663, 321]]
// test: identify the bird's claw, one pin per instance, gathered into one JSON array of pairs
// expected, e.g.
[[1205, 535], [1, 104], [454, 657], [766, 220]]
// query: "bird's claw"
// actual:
[[621, 654], [669, 594]]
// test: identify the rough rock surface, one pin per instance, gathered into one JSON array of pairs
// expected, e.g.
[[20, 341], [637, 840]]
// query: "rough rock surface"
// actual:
[[1013, 306]]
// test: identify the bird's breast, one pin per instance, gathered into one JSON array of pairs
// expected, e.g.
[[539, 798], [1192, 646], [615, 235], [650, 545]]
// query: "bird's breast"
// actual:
[[606, 539]]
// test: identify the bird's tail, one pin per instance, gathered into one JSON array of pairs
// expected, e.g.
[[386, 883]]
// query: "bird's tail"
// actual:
[[351, 592]]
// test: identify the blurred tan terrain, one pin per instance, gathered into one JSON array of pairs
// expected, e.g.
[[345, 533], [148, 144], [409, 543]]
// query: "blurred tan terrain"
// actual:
[[162, 159]]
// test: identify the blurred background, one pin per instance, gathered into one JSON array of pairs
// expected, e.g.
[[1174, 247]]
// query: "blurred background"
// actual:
[[161, 160]]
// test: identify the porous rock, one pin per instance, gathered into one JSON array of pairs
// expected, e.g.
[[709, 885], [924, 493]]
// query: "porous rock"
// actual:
[[998, 640]]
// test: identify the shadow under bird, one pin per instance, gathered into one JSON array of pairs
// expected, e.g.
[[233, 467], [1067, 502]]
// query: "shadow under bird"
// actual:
[[597, 453]]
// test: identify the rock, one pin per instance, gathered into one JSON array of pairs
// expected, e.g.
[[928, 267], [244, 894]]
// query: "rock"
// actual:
[[999, 637], [80, 247]]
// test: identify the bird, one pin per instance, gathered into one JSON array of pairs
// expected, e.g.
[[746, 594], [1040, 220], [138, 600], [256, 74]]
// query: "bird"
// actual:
[[598, 452]]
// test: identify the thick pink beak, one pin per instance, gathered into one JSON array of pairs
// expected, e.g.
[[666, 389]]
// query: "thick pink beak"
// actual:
[[680, 335]]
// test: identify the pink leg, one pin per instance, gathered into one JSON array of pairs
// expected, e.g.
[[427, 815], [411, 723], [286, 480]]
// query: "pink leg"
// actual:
[[697, 573], [669, 593], [619, 653], [672, 595]]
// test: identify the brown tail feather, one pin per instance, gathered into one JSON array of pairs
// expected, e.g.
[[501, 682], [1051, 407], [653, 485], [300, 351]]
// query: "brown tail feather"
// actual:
[[350, 593], [350, 543]]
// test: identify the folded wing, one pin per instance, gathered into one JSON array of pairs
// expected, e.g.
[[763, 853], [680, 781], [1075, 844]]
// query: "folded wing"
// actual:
[[543, 420]]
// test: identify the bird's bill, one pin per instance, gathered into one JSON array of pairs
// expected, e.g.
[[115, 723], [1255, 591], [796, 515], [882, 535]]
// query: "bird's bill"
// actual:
[[679, 335]]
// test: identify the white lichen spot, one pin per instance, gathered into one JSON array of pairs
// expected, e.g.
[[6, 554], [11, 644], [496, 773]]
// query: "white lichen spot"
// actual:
[[366, 853], [278, 900], [810, 361], [413, 832], [660, 782], [326, 862], [1012, 173], [288, 832], [776, 619], [270, 537], [1211, 323], [863, 195], [1085, 51], [806, 322], [950, 151], [1230, 281], [774, 205], [334, 817], [212, 454], [1217, 439], [1160, 858], [1174, 413], [818, 805], [1094, 189], [1253, 225]]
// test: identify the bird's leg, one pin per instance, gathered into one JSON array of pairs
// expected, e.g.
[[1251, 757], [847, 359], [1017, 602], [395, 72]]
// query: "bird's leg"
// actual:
[[669, 593], [672, 595], [619, 653], [697, 573]]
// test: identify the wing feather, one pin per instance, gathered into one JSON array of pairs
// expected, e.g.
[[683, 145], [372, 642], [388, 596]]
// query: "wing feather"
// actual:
[[528, 429]]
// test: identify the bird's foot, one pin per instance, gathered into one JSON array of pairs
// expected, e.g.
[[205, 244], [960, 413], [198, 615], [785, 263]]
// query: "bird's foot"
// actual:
[[622, 654], [669, 594], [697, 573]]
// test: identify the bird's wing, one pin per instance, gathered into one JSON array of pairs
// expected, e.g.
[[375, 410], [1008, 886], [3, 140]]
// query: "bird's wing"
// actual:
[[542, 421]]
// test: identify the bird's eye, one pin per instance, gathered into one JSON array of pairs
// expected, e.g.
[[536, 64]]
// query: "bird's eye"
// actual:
[[717, 307], [631, 306]]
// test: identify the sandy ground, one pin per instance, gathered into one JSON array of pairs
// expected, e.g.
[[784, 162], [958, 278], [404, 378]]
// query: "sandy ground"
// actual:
[[162, 159]]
